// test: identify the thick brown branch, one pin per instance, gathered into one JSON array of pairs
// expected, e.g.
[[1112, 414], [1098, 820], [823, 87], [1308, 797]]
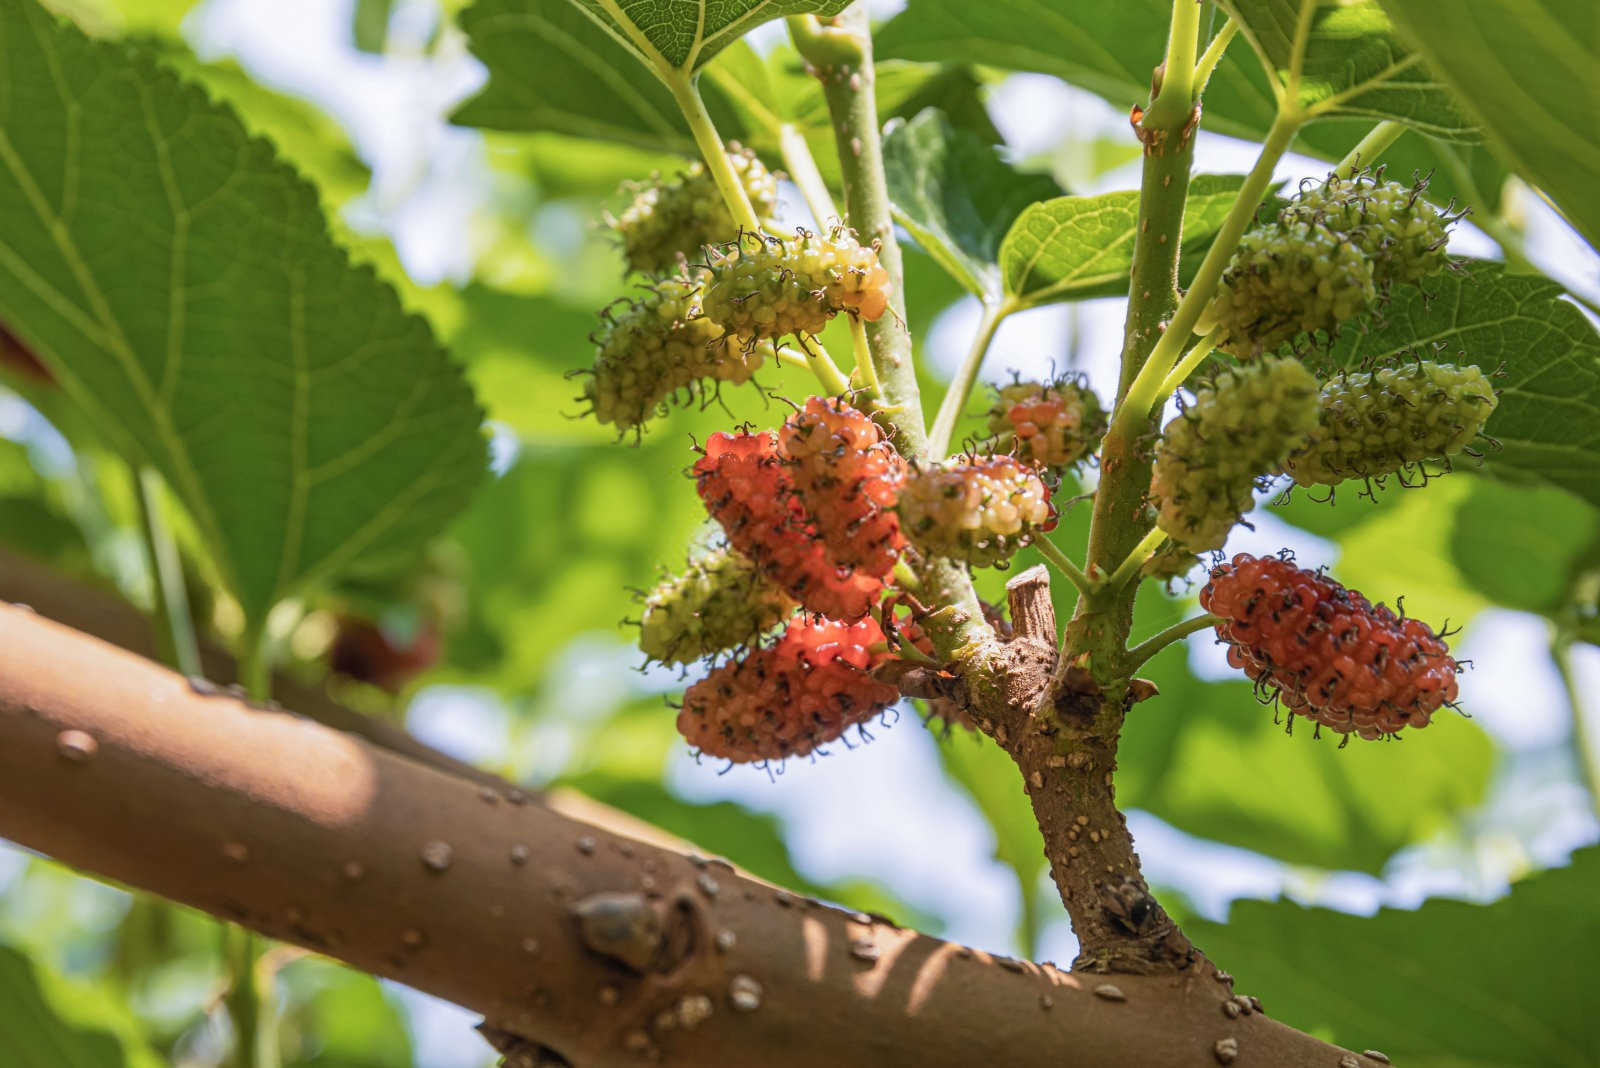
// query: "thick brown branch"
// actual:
[[102, 613], [600, 948]]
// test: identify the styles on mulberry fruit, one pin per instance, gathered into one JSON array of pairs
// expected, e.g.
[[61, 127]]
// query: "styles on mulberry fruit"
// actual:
[[791, 697], [848, 477], [747, 488], [1387, 421], [981, 511], [1397, 229], [719, 602], [1284, 280], [1241, 426], [1050, 425], [656, 347], [670, 222], [766, 287], [1325, 651]]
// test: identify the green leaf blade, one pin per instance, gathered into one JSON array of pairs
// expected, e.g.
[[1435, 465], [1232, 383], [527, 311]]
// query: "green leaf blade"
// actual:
[[685, 34], [1072, 248], [1548, 419], [1530, 71], [180, 280], [1447, 985], [957, 197]]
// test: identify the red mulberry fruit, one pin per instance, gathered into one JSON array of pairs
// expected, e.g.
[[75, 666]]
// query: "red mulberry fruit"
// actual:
[[771, 287], [719, 602], [786, 700], [747, 489], [848, 477], [657, 346], [1376, 424], [981, 511], [1050, 425], [1325, 651], [671, 222], [1240, 427]]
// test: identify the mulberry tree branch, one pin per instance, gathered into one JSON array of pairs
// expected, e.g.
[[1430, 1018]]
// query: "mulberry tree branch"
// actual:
[[579, 946]]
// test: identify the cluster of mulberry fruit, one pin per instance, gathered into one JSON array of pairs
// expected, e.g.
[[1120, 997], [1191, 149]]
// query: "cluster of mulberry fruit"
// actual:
[[747, 488], [721, 601], [1374, 424], [1325, 651], [1241, 427], [1325, 259], [848, 478], [791, 697], [669, 223], [1050, 425], [981, 511], [656, 347], [766, 287]]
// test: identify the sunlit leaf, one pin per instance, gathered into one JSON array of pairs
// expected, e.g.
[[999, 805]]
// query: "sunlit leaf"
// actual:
[[1447, 985], [957, 197], [1530, 71], [179, 280], [1545, 353], [684, 34], [1071, 248]]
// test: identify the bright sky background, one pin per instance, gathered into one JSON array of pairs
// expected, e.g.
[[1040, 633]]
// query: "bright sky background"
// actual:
[[883, 811]]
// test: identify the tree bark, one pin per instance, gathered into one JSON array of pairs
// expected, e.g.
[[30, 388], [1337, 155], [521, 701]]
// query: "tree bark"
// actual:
[[587, 946]]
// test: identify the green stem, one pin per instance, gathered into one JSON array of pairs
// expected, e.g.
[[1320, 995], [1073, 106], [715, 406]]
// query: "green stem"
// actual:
[[1588, 755], [1177, 632], [1136, 558], [955, 398], [1146, 387], [176, 637], [1174, 98], [1369, 148], [687, 94], [833, 381], [840, 54], [802, 167], [1186, 366], [1052, 553], [865, 367], [1213, 55]]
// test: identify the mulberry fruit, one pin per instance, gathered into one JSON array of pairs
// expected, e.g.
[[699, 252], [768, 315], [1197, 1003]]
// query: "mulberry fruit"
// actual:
[[848, 478], [1375, 424], [747, 488], [671, 222], [1050, 425], [1325, 651], [770, 287], [1392, 224], [657, 346], [981, 511], [1240, 427], [789, 698], [1290, 278], [720, 602]]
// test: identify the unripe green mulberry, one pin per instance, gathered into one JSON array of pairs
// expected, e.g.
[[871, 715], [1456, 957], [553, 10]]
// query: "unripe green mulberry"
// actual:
[[981, 512], [1241, 426], [1379, 423], [656, 346], [1287, 279], [721, 601], [770, 287], [1050, 425], [1392, 224], [670, 222]]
